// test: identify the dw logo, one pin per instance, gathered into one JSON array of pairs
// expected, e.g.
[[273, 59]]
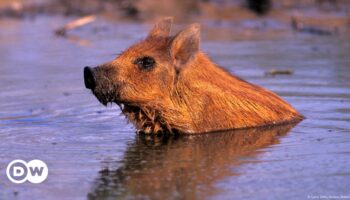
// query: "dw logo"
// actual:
[[35, 171]]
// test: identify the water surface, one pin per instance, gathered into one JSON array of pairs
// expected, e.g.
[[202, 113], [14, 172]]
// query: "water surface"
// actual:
[[92, 153]]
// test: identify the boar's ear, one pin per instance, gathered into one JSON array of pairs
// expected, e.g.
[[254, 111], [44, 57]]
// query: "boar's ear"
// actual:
[[185, 44], [161, 28]]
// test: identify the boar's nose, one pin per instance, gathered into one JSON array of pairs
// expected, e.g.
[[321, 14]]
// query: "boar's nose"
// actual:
[[89, 78]]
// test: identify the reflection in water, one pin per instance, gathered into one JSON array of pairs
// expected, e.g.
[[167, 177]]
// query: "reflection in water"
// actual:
[[185, 167]]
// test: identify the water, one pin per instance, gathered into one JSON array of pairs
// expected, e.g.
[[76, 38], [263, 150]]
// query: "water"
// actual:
[[92, 153]]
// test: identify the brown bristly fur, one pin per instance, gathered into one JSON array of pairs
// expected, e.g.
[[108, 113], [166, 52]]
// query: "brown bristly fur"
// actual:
[[186, 92]]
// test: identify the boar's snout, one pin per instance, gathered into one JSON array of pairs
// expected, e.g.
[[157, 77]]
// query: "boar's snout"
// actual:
[[100, 80], [89, 78]]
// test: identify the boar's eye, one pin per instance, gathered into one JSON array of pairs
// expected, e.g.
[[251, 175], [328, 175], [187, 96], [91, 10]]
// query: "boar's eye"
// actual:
[[145, 62]]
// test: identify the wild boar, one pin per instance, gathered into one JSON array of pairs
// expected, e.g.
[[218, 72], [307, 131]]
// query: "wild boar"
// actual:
[[165, 84]]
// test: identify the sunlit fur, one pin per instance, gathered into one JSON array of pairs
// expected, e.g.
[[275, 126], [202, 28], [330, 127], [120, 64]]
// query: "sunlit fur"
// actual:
[[197, 96]]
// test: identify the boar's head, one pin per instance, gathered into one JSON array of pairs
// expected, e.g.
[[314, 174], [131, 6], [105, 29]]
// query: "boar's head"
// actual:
[[141, 79]]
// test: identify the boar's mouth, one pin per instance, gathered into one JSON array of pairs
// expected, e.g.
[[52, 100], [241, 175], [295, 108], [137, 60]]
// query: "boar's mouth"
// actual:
[[146, 119], [104, 98]]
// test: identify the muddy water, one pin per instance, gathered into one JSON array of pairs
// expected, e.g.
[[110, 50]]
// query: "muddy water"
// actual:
[[92, 153]]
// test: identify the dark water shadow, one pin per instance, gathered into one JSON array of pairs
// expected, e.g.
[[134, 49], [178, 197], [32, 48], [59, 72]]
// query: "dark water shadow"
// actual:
[[182, 167]]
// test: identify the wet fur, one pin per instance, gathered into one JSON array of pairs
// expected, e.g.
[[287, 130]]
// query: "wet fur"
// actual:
[[193, 97]]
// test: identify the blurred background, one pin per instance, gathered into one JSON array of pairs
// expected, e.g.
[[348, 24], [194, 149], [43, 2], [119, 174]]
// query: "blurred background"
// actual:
[[320, 17], [148, 9]]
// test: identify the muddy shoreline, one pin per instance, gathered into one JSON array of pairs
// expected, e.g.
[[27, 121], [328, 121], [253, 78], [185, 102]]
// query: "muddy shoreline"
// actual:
[[229, 20]]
